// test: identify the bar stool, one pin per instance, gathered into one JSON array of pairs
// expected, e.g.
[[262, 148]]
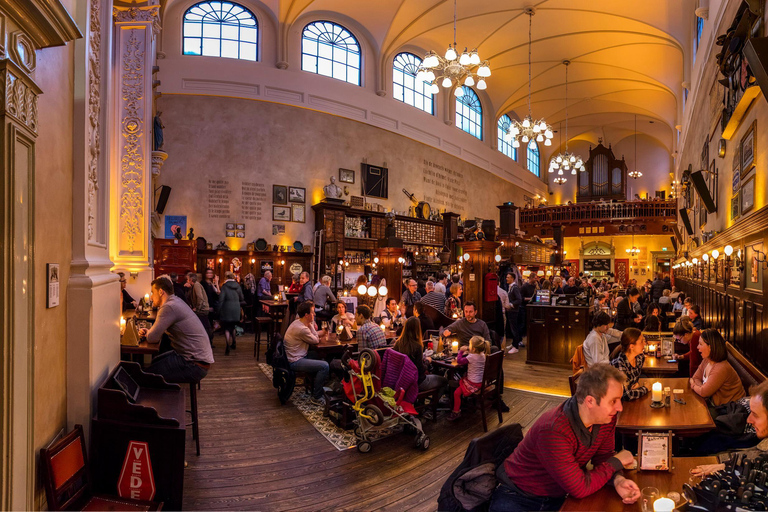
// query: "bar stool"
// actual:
[[193, 411], [259, 321]]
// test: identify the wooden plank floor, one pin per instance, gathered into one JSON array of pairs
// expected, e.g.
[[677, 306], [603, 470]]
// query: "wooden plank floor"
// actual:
[[259, 455]]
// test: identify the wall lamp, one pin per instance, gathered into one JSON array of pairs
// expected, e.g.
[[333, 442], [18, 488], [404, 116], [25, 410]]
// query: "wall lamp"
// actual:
[[759, 256]]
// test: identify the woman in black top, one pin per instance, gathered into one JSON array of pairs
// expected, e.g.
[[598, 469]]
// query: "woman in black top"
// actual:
[[410, 343]]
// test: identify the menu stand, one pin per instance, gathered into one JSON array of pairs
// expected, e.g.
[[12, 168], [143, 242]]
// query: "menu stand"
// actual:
[[133, 405]]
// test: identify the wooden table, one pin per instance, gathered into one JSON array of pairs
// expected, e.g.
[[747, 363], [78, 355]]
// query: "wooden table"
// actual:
[[277, 311], [607, 500], [656, 367], [332, 344], [142, 348], [690, 419]]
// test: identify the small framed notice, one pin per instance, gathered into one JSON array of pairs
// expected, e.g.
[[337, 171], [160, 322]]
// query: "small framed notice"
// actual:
[[654, 451], [52, 277]]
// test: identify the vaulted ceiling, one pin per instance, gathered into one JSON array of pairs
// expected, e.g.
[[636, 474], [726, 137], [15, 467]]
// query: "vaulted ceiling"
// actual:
[[627, 57]]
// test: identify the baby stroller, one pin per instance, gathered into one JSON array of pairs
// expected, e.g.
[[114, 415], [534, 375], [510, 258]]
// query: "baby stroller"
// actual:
[[373, 410]]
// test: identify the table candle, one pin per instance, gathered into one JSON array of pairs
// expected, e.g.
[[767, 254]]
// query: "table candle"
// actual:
[[383, 328], [277, 297], [146, 297], [122, 326], [656, 392], [663, 505], [455, 346]]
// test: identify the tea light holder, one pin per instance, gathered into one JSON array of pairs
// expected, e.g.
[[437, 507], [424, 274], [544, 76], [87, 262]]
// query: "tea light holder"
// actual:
[[122, 326], [663, 505], [656, 395], [455, 347], [277, 298]]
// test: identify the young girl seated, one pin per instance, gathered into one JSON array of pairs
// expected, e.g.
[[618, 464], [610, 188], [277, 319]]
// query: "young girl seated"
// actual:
[[473, 355]]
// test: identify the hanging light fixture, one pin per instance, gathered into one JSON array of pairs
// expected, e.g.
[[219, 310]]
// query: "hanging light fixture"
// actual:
[[454, 70], [565, 162], [529, 129], [635, 174]]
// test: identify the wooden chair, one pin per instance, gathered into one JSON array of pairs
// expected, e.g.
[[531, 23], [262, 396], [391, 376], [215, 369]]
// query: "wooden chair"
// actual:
[[432, 394], [492, 384], [578, 361], [67, 481], [437, 317], [572, 380]]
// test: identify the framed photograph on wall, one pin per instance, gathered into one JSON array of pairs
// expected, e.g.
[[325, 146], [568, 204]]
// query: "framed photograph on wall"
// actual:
[[299, 211], [748, 150], [375, 181], [297, 194], [230, 234], [735, 202], [278, 229], [754, 269], [346, 175], [279, 194], [747, 195], [281, 213]]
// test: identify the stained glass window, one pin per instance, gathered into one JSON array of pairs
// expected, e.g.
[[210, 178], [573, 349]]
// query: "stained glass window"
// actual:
[[220, 29], [469, 113], [504, 144], [404, 86], [330, 50]]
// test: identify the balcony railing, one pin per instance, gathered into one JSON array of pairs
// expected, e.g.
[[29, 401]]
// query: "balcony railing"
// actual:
[[579, 213]]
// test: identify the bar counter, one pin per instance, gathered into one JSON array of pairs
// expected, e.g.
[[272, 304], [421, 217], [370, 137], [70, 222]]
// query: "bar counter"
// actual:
[[554, 332]]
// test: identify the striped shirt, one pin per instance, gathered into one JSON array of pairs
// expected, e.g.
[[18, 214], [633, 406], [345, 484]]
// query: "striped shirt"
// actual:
[[551, 460], [435, 300], [633, 375]]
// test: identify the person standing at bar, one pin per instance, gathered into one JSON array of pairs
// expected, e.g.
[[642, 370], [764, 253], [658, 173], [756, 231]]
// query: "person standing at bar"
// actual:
[[410, 297], [515, 298], [199, 300]]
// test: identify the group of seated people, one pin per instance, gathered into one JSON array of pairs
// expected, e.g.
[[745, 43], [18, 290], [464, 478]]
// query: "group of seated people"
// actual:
[[303, 334]]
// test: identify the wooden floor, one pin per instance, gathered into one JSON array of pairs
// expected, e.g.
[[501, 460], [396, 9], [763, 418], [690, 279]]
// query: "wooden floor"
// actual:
[[259, 455]]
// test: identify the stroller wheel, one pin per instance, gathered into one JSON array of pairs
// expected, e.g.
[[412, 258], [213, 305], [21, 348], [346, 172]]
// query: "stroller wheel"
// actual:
[[422, 441], [369, 357], [425, 443], [364, 447], [375, 414], [358, 432]]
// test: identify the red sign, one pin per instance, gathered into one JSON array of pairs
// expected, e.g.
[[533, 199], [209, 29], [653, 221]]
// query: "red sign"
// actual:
[[136, 480]]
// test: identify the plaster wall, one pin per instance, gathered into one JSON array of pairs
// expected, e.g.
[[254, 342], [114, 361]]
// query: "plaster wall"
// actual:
[[52, 239], [646, 243], [267, 143]]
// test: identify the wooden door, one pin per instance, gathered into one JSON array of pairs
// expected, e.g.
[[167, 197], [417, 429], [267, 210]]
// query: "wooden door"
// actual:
[[621, 271]]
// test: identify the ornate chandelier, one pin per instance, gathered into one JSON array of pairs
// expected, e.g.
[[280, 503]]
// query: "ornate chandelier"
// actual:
[[529, 129], [635, 174], [565, 162], [454, 70]]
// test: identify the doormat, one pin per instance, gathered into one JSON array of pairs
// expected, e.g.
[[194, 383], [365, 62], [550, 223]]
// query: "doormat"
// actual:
[[337, 436]]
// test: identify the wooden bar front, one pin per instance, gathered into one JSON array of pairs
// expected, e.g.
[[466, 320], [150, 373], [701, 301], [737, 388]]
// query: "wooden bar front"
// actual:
[[554, 332]]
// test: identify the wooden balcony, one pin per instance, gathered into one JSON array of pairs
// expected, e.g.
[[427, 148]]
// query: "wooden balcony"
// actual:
[[650, 217]]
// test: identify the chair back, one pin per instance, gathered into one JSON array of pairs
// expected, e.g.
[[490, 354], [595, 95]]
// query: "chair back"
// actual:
[[437, 317], [65, 470], [572, 380], [492, 371], [578, 361]]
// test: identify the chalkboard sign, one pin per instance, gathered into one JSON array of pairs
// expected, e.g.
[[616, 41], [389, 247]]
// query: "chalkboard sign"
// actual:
[[598, 265]]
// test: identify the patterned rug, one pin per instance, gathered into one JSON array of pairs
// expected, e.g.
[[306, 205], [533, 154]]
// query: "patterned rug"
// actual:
[[337, 436]]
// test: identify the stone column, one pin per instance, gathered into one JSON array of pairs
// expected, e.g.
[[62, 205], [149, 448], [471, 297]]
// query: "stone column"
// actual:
[[136, 29]]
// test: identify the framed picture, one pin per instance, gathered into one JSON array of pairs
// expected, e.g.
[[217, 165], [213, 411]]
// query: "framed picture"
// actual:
[[230, 226], [53, 279], [281, 213], [240, 227], [299, 211], [279, 194], [736, 183], [240, 234], [346, 175], [735, 201], [230, 234], [297, 194], [747, 195], [375, 181], [748, 150], [278, 229], [174, 222], [754, 269]]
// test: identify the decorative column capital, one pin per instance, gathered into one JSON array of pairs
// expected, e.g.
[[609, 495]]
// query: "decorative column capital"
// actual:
[[19, 95], [135, 14], [158, 159]]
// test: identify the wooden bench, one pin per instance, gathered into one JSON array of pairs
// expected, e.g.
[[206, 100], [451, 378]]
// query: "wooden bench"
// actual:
[[748, 372], [437, 317]]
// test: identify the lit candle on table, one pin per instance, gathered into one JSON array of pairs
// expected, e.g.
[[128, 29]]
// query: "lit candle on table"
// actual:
[[455, 347], [663, 505], [122, 326], [277, 298], [383, 328], [656, 392], [146, 298]]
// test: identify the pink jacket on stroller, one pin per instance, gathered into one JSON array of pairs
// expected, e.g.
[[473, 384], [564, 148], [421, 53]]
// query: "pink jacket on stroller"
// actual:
[[398, 372]]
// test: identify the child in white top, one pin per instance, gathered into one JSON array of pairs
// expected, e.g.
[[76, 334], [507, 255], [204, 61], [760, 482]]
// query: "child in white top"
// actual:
[[473, 355]]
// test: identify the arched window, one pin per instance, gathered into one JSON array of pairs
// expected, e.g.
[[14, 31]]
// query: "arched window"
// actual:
[[533, 157], [503, 143], [404, 86], [220, 29], [330, 50], [469, 113]]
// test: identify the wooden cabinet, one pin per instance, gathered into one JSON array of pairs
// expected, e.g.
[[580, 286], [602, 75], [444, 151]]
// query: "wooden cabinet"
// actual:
[[554, 332], [172, 255]]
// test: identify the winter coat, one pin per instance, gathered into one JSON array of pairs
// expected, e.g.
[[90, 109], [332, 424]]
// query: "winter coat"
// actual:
[[230, 301]]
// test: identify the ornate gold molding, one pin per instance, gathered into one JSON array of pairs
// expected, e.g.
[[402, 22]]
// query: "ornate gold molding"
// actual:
[[133, 14], [19, 95], [94, 113], [46, 22]]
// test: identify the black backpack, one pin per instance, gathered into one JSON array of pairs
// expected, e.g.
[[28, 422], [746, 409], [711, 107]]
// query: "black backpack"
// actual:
[[283, 378]]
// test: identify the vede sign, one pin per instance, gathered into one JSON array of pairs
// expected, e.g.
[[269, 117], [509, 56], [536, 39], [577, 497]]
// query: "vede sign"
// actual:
[[136, 480]]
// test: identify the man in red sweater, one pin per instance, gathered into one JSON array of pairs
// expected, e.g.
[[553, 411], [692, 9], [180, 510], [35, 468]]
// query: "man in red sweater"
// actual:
[[550, 463]]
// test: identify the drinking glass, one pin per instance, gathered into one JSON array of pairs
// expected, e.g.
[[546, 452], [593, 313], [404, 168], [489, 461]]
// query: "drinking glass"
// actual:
[[649, 495]]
